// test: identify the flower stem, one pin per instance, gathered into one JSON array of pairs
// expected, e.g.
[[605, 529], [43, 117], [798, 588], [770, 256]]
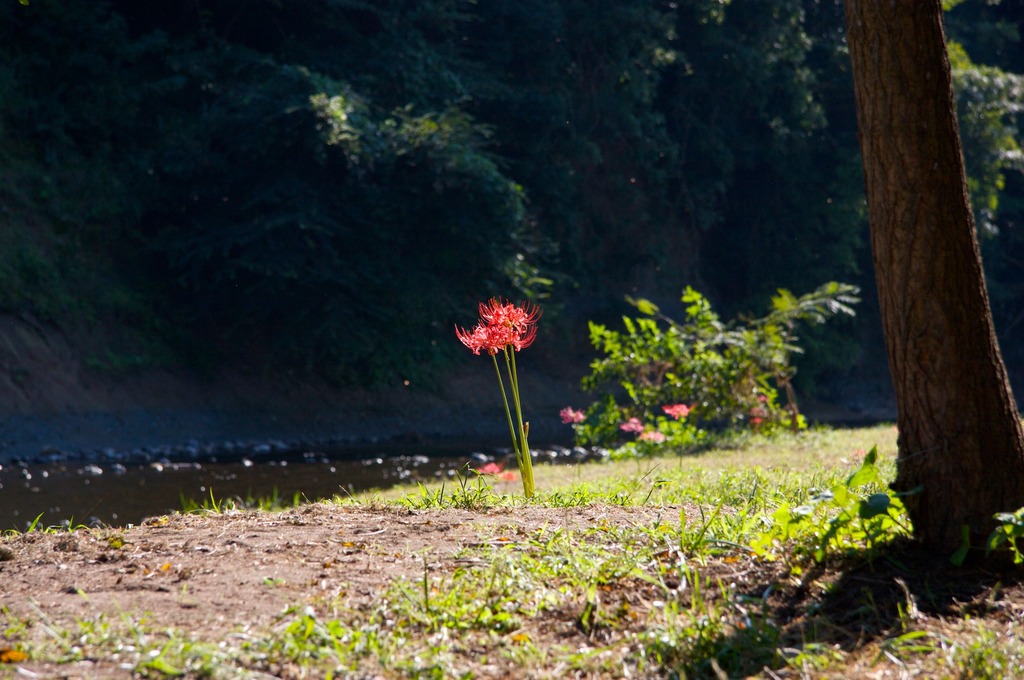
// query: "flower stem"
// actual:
[[508, 414], [523, 452]]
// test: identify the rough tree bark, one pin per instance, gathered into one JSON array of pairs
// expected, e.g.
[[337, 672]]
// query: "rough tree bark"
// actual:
[[960, 437]]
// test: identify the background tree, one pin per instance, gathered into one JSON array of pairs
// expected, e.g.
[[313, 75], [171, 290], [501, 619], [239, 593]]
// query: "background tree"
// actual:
[[262, 183], [961, 447]]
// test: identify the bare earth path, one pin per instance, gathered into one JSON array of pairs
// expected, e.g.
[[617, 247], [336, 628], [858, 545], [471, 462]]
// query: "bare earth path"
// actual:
[[235, 573]]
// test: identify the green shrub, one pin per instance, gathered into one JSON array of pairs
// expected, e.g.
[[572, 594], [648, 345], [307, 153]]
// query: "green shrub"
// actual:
[[728, 375]]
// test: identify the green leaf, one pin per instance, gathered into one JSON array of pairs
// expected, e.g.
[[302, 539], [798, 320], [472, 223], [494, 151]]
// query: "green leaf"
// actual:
[[840, 496], [784, 301], [874, 505], [644, 306], [867, 472], [960, 555], [161, 666], [995, 540]]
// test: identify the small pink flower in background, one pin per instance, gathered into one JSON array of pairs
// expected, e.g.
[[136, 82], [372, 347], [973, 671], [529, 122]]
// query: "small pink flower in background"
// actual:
[[760, 412], [497, 470], [490, 469], [652, 436], [632, 425], [571, 415], [677, 411]]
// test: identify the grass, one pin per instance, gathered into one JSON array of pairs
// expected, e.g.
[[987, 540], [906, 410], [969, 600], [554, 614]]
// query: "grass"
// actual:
[[710, 587], [816, 456], [213, 504]]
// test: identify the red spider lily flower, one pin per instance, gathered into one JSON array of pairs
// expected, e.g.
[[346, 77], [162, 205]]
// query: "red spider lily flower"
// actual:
[[677, 411], [523, 339], [507, 476], [499, 313], [632, 425], [502, 325], [570, 415], [477, 339], [519, 322]]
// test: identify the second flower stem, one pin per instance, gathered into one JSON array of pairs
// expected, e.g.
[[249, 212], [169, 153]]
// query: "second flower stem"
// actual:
[[525, 459], [519, 444]]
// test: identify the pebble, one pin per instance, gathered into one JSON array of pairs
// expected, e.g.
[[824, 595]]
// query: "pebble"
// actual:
[[248, 452]]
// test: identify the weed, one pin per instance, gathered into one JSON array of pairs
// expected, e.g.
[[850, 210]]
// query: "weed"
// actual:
[[471, 493], [578, 495], [37, 526], [848, 517], [1011, 527], [215, 505], [987, 655]]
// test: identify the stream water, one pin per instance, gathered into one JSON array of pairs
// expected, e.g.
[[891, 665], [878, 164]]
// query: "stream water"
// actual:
[[118, 494], [115, 491]]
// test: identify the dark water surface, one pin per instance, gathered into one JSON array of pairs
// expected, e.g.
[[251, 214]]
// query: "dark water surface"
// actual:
[[121, 493]]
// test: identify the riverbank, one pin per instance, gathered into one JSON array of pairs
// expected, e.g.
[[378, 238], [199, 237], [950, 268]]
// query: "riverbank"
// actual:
[[54, 402], [284, 420], [55, 406]]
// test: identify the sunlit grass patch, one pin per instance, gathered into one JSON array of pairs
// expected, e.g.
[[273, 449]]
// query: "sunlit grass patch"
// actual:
[[129, 643], [812, 451]]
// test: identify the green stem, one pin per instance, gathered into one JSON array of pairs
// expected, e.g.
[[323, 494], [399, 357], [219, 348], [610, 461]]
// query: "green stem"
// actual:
[[508, 413], [523, 453]]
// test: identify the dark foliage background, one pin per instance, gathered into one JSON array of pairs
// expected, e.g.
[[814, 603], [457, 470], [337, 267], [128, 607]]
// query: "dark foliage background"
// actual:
[[328, 185]]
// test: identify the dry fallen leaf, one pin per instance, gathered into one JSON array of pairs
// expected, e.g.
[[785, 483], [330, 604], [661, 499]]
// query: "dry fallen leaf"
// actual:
[[12, 655]]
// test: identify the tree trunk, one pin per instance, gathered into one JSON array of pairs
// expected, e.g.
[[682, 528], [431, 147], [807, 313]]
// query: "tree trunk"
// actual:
[[960, 438]]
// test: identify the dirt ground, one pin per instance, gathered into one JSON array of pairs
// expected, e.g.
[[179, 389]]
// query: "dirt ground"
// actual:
[[222, 576], [212, 575]]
